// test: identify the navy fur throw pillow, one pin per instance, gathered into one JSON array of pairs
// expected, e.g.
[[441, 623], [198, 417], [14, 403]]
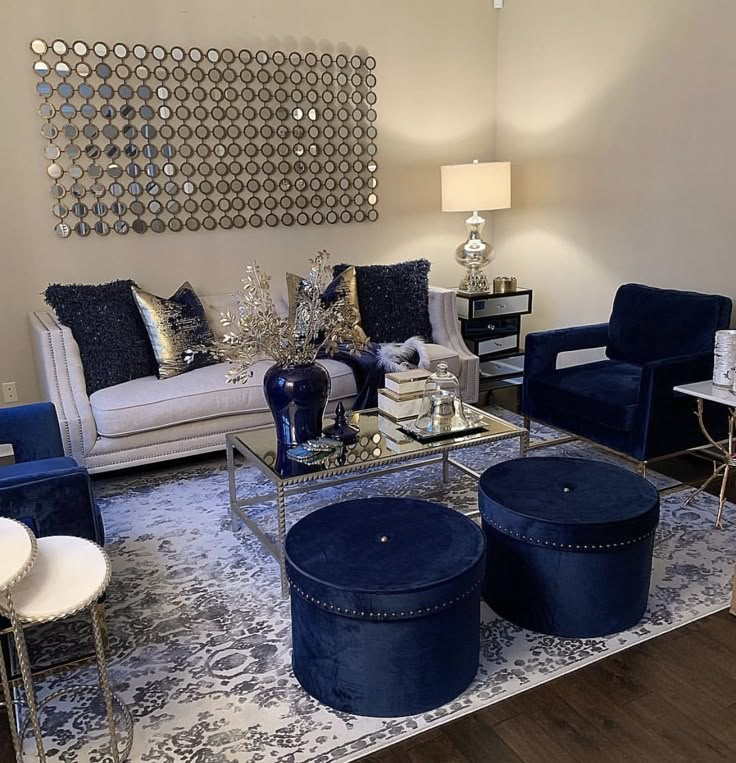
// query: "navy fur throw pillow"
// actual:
[[107, 326], [394, 300]]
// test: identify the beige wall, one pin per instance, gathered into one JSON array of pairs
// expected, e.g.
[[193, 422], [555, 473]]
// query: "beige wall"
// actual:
[[619, 118], [436, 79]]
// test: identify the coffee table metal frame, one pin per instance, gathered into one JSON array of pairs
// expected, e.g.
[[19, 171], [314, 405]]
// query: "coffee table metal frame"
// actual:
[[426, 454]]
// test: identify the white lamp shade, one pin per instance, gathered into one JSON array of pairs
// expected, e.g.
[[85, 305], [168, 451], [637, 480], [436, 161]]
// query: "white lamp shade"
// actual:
[[476, 187]]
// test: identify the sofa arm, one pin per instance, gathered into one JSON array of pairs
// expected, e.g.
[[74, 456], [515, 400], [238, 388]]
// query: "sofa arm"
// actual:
[[61, 375], [446, 331], [32, 430], [53, 503], [543, 347]]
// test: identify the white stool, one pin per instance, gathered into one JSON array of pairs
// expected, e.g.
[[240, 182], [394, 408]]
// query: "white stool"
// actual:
[[68, 577], [18, 551]]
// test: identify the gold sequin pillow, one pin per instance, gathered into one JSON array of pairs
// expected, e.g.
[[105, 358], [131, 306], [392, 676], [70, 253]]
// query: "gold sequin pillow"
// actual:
[[345, 283], [174, 326]]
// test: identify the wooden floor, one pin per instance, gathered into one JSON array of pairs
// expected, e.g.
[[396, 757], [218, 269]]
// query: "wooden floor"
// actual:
[[669, 699]]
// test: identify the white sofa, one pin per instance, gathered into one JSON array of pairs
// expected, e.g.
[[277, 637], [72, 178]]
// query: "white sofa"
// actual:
[[149, 419]]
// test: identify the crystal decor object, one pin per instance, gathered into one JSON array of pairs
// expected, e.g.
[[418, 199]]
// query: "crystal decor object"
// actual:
[[442, 406]]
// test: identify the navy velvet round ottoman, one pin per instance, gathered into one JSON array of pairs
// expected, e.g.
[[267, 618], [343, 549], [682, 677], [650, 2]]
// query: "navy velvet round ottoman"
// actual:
[[385, 604], [569, 544]]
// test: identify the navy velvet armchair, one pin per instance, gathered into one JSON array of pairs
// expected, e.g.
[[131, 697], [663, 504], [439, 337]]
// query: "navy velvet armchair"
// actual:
[[655, 339], [49, 492]]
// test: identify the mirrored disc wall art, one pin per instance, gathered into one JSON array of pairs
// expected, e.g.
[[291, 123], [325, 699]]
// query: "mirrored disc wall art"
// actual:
[[156, 139]]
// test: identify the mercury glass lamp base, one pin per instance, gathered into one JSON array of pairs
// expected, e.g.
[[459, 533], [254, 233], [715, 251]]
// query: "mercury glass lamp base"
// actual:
[[474, 254], [475, 282]]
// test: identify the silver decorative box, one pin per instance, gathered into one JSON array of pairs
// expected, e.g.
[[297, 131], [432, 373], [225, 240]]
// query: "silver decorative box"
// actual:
[[503, 284]]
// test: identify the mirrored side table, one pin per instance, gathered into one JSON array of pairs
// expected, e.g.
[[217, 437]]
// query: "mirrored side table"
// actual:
[[491, 328]]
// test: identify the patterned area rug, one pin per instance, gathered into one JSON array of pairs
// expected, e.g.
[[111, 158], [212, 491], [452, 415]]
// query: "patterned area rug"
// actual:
[[201, 636]]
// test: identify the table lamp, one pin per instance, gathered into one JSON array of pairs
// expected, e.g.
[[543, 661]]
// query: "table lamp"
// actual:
[[469, 188]]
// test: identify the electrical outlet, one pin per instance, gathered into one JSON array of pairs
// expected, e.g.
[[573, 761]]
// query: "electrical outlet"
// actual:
[[10, 392]]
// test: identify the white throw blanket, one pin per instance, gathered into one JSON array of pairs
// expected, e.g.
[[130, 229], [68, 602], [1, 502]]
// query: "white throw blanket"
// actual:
[[397, 357]]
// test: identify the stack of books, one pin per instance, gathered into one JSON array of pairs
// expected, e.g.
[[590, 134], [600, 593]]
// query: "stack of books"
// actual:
[[401, 398]]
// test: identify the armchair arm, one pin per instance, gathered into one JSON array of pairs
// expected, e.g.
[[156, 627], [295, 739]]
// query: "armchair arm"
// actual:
[[32, 430], [53, 503], [61, 375], [446, 331], [666, 418], [660, 376], [543, 347]]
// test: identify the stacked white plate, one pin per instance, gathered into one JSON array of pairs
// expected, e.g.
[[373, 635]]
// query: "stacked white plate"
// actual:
[[724, 361]]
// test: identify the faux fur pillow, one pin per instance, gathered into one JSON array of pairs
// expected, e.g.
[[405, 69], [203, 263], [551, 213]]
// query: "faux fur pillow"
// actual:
[[107, 326], [394, 300]]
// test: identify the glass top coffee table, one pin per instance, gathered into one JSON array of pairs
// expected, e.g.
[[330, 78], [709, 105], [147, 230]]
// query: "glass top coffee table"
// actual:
[[380, 448]]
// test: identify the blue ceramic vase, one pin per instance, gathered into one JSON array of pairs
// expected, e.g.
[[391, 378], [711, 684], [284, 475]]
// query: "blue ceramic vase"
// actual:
[[297, 397]]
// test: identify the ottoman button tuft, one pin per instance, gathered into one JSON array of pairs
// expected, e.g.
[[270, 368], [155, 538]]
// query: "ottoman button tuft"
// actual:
[[385, 539]]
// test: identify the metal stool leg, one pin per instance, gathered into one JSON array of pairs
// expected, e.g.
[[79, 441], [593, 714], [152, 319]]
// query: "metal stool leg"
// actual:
[[98, 626], [8, 699], [25, 674], [105, 631]]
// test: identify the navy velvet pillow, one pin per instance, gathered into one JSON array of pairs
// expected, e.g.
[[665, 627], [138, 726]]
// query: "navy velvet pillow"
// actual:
[[394, 300], [107, 326]]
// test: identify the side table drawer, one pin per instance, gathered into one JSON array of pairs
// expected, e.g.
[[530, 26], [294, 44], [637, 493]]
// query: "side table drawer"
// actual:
[[493, 345], [513, 366], [494, 305], [518, 303], [484, 328]]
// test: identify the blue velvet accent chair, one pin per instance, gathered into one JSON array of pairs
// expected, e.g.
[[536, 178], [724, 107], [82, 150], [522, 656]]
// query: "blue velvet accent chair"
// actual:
[[655, 339], [46, 490]]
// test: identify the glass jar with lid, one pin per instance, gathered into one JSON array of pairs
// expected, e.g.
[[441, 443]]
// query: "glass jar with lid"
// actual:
[[442, 409]]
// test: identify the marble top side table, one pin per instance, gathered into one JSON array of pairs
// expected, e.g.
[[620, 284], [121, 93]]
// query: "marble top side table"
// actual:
[[703, 391]]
